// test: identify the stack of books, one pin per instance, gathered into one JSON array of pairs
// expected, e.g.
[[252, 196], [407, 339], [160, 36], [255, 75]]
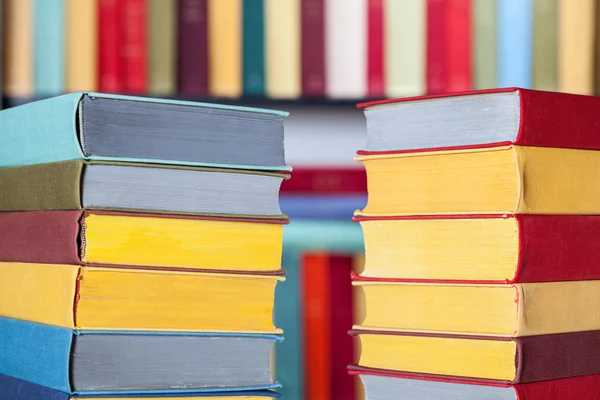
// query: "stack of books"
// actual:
[[140, 249], [481, 238]]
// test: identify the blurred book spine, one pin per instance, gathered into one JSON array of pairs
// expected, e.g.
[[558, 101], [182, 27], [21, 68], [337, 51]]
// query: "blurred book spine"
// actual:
[[134, 50], [162, 48], [313, 48], [545, 49], [253, 36], [81, 45], [48, 25], [224, 48], [192, 47]]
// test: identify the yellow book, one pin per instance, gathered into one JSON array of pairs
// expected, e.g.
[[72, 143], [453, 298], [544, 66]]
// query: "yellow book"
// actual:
[[497, 180], [181, 243], [18, 48], [91, 298], [81, 47], [282, 48], [499, 310], [225, 47], [576, 39]]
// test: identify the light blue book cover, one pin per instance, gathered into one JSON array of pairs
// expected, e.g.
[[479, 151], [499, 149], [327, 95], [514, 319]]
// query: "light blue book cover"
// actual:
[[515, 43], [41, 354], [47, 131], [49, 47]]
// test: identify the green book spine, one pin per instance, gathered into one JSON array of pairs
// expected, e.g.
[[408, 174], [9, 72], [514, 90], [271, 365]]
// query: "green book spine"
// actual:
[[484, 43], [545, 45], [253, 48], [162, 47]]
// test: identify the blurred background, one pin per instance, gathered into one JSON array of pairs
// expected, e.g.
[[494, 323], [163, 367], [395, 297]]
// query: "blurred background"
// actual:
[[316, 59]]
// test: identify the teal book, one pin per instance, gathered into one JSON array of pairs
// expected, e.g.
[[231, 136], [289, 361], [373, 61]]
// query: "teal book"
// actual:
[[253, 48], [49, 47], [95, 126]]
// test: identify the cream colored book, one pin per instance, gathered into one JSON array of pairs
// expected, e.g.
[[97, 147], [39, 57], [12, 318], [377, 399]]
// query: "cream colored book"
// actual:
[[282, 29], [405, 42], [225, 47], [576, 46], [18, 48], [81, 49]]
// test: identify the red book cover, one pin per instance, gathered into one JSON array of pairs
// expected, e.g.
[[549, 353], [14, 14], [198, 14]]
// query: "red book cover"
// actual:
[[547, 119], [537, 358], [552, 248], [576, 388], [458, 46], [341, 319], [192, 47], [328, 180], [313, 47], [315, 293], [437, 48], [134, 50], [110, 41], [375, 49]]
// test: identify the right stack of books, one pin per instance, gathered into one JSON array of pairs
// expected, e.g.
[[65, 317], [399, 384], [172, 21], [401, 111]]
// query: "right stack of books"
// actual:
[[482, 243]]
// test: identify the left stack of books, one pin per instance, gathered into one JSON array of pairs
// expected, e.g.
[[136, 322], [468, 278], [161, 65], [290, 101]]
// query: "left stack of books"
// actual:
[[140, 248]]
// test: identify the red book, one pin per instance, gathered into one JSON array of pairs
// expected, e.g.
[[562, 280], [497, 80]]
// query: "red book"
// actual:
[[315, 289], [313, 47], [341, 319], [436, 46], [192, 47], [312, 181], [134, 50], [375, 49], [576, 388], [546, 119], [110, 68], [458, 45]]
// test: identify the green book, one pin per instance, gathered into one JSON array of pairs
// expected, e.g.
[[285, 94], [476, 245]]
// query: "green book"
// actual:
[[545, 45], [485, 43], [253, 48], [162, 47]]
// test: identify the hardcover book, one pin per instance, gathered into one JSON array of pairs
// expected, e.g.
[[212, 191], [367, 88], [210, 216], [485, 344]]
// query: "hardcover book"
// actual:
[[143, 241], [135, 362], [122, 128]]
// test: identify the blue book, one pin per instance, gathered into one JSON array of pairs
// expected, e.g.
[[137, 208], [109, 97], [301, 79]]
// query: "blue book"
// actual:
[[106, 127], [16, 389], [515, 26], [131, 362], [334, 207], [49, 48], [253, 48]]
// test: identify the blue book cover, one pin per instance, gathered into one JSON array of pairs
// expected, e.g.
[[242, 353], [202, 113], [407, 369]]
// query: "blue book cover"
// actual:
[[334, 207], [253, 48], [41, 354], [49, 48], [515, 26]]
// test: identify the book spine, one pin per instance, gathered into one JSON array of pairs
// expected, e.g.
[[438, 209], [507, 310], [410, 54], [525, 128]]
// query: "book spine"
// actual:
[[110, 41], [49, 47], [458, 55], [437, 44], [326, 181], [161, 47], [81, 45], [18, 40], [317, 334], [375, 46], [575, 388], [253, 48], [545, 45], [134, 46], [341, 346], [313, 47], [327, 207], [514, 43], [289, 354], [192, 53], [36, 353], [484, 43]]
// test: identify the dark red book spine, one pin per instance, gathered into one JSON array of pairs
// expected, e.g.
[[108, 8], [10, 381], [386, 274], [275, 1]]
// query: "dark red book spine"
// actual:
[[313, 47], [341, 315], [326, 181], [437, 80], [134, 50], [110, 41], [375, 49], [458, 46], [192, 47]]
